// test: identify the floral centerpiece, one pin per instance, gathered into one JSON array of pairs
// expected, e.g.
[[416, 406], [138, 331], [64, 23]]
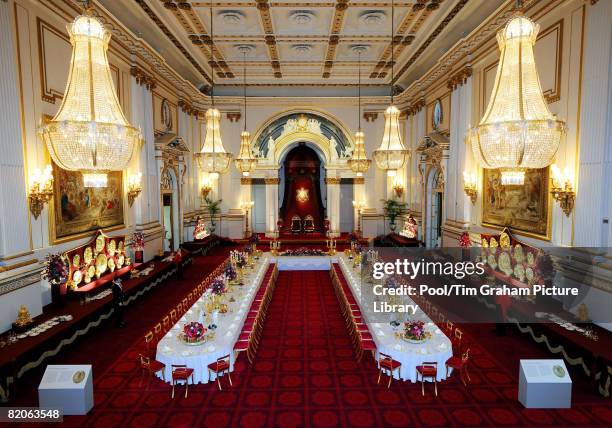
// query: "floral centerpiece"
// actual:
[[217, 287], [464, 240], [56, 269], [414, 332], [138, 241], [230, 272], [239, 258], [194, 333], [304, 252]]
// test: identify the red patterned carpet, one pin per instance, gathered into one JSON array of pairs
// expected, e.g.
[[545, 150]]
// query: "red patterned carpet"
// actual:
[[305, 374]]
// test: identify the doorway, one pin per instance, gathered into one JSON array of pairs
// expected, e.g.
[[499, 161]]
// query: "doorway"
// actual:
[[168, 221]]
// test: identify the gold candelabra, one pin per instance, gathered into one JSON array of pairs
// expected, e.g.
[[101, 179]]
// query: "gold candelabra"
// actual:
[[134, 187], [41, 190], [331, 246], [562, 189], [275, 245]]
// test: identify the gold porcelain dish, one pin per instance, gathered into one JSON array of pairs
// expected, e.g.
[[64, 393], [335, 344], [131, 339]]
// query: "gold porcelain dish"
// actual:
[[530, 259], [88, 255], [101, 264], [493, 243], [91, 271], [484, 243], [77, 277], [529, 274], [120, 246], [100, 243], [112, 247], [519, 256], [491, 261], [519, 272], [505, 265], [76, 260], [120, 260], [504, 240], [111, 265]]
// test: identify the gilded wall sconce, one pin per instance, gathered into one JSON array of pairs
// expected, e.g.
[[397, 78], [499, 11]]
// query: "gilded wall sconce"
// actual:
[[134, 187], [41, 190], [398, 188], [469, 185], [206, 189], [562, 189]]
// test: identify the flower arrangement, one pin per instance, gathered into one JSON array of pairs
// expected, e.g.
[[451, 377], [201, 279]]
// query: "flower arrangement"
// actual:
[[415, 331], [303, 252], [200, 231], [217, 286], [194, 332], [138, 242], [230, 272], [464, 240], [56, 269], [239, 258]]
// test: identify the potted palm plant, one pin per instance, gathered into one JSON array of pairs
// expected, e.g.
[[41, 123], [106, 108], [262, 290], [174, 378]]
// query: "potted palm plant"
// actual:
[[213, 209], [394, 209]]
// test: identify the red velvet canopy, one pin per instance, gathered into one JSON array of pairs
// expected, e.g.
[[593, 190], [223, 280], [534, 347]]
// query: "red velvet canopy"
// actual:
[[302, 195]]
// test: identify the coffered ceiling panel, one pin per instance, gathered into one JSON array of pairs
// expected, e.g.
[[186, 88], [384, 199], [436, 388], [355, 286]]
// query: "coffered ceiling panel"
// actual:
[[302, 42]]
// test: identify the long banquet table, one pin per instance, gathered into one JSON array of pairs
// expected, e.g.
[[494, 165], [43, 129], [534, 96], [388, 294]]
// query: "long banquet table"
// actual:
[[438, 348], [171, 350]]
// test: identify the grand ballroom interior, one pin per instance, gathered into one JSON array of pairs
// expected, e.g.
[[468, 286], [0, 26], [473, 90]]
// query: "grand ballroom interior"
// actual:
[[209, 211]]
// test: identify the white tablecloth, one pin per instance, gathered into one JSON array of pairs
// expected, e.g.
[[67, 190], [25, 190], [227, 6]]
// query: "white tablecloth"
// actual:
[[438, 348], [170, 350]]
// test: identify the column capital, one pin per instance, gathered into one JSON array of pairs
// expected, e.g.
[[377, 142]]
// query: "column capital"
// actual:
[[246, 180], [459, 78], [272, 180], [143, 78], [332, 180]]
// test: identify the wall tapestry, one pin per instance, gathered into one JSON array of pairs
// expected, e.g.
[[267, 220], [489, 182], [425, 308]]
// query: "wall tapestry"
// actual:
[[79, 209], [523, 208]]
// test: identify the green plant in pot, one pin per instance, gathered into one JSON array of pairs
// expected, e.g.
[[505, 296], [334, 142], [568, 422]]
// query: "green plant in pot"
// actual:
[[213, 209], [394, 209]]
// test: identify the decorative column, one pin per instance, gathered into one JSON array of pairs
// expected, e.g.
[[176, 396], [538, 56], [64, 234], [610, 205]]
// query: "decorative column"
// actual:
[[15, 216], [333, 204], [271, 204]]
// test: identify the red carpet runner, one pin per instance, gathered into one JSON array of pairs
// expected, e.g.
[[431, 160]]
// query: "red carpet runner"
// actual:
[[305, 374]]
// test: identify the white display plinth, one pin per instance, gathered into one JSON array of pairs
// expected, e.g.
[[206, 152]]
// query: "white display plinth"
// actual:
[[58, 389], [545, 384]]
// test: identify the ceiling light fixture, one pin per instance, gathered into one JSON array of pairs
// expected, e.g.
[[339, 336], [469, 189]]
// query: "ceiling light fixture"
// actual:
[[391, 154], [359, 162], [517, 131], [245, 162], [212, 158], [90, 133]]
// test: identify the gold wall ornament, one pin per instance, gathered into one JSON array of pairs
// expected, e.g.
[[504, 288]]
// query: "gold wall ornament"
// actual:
[[562, 189], [301, 195], [398, 187], [518, 131], [470, 185], [206, 188], [90, 133], [134, 187], [41, 189]]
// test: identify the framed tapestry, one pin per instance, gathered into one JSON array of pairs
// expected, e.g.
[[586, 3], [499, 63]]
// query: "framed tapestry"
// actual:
[[524, 208], [78, 210]]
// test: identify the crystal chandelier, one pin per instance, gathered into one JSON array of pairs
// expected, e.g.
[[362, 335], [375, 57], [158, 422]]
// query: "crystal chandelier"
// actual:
[[212, 158], [245, 162], [391, 154], [517, 131], [90, 133], [359, 162]]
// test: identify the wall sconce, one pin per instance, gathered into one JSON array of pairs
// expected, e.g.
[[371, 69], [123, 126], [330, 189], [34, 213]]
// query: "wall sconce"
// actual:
[[206, 188], [398, 188], [134, 187], [469, 185], [41, 189], [562, 188]]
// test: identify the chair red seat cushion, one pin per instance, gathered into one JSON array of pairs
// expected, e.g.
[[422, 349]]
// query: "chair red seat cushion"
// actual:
[[156, 366], [219, 367], [426, 370], [182, 373], [454, 362], [388, 363], [241, 345], [368, 345]]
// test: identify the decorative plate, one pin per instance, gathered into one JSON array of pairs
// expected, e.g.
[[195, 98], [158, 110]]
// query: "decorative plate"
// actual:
[[101, 263], [504, 240], [493, 243], [120, 260], [88, 255], [78, 376], [519, 256], [505, 265], [112, 247], [91, 271], [484, 243], [530, 258], [76, 260], [519, 272], [77, 277], [559, 371], [491, 261], [111, 265], [120, 246], [100, 243], [529, 274]]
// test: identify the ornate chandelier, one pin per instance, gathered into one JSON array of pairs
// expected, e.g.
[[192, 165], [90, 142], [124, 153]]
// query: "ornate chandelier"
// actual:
[[359, 162], [213, 158], [90, 133], [517, 131], [245, 162], [391, 154]]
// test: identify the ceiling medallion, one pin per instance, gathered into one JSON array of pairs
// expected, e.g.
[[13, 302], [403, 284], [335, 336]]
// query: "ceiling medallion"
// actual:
[[359, 49], [373, 18], [302, 17], [301, 49], [232, 17], [245, 49]]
